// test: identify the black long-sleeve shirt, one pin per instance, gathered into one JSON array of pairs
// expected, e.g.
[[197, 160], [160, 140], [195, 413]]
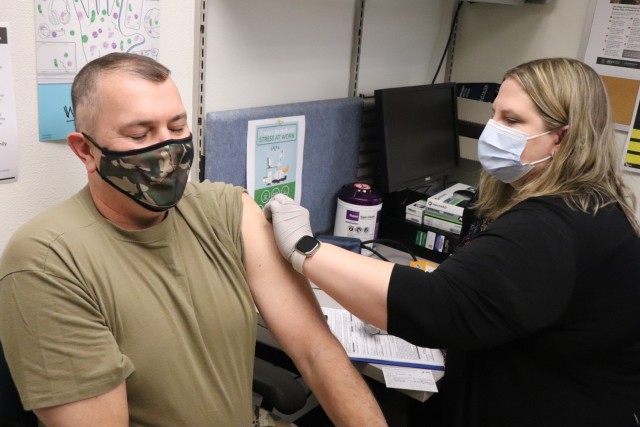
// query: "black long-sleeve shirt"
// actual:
[[540, 317]]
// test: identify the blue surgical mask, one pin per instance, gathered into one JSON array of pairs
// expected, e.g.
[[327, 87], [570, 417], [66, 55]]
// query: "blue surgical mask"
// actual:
[[499, 151]]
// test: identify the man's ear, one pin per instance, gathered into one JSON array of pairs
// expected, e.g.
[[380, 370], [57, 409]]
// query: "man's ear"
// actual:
[[82, 148]]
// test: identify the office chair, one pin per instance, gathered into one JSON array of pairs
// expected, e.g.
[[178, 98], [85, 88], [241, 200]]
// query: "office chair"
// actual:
[[279, 391], [11, 412], [278, 388]]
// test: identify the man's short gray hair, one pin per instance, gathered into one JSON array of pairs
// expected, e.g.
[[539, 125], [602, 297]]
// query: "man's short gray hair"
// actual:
[[83, 90]]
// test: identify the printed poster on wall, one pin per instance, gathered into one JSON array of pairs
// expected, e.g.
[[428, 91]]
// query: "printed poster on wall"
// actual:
[[631, 155], [613, 51], [8, 122], [70, 33], [274, 158]]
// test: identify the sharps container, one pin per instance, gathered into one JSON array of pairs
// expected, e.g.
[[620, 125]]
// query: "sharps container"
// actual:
[[358, 212]]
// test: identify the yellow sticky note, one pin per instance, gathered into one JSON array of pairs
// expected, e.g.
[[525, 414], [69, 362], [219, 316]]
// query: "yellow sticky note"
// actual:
[[424, 265]]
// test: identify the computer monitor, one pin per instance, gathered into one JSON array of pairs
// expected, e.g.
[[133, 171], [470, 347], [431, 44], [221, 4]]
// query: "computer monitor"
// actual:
[[417, 135]]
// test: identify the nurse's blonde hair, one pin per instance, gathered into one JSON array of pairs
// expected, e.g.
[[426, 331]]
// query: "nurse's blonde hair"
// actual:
[[585, 170]]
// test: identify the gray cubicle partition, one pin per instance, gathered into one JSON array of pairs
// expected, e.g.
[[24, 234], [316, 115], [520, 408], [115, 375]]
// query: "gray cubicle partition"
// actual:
[[331, 149]]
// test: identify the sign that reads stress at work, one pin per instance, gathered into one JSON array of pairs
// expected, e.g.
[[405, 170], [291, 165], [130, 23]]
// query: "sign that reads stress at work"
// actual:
[[274, 158]]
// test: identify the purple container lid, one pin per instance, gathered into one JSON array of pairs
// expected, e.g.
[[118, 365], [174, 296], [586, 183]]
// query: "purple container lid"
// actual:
[[359, 193]]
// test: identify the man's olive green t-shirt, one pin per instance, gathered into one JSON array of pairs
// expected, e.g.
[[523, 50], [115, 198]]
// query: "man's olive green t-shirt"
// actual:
[[86, 305]]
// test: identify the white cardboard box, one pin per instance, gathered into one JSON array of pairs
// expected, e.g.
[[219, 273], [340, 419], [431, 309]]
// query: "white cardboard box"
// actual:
[[441, 224], [416, 208], [449, 204], [414, 218]]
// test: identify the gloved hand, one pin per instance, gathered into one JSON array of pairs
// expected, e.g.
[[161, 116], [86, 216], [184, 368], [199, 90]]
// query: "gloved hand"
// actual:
[[290, 222]]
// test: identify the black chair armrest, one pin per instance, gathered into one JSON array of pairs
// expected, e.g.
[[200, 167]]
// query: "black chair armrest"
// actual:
[[278, 388]]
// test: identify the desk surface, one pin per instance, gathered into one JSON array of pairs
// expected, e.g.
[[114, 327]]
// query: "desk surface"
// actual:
[[372, 370]]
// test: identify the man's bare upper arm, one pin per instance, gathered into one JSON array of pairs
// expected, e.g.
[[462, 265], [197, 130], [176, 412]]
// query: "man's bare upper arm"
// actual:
[[284, 297]]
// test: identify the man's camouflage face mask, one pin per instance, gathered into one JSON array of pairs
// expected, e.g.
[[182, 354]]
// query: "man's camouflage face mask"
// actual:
[[154, 176]]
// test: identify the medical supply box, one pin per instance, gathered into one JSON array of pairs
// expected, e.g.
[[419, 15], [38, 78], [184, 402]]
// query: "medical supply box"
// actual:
[[415, 211], [444, 210]]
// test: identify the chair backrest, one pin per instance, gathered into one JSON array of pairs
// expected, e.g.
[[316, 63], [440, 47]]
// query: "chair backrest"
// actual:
[[11, 411]]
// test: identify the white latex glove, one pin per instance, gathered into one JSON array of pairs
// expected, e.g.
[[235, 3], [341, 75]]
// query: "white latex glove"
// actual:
[[290, 222]]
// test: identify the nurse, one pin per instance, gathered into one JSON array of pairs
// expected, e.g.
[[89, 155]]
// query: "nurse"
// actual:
[[539, 315]]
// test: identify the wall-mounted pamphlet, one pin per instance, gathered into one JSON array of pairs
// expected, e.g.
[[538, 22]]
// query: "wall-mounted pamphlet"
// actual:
[[613, 50], [274, 158], [8, 125], [71, 33]]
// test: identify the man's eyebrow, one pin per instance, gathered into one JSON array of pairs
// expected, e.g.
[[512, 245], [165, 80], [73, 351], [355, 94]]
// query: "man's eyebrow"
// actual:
[[177, 117], [147, 123]]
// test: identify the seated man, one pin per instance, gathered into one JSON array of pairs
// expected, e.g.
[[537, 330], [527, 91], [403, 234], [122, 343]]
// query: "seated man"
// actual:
[[132, 303]]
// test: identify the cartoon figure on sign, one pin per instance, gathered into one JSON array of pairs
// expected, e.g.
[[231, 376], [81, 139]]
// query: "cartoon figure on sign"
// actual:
[[277, 175]]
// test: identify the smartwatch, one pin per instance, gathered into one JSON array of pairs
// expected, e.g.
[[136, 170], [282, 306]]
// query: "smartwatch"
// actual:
[[305, 247]]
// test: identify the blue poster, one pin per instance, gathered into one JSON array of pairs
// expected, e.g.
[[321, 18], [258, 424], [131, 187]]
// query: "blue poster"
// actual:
[[55, 115]]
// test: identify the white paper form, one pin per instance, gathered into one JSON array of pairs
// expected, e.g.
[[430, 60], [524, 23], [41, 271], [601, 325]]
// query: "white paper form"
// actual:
[[409, 378], [363, 346], [8, 125]]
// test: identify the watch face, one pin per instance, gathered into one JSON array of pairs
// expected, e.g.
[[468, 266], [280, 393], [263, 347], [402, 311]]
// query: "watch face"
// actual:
[[307, 244]]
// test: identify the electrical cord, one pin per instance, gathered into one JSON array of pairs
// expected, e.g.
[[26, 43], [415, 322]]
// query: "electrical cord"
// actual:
[[373, 251], [389, 242], [445, 179], [446, 48]]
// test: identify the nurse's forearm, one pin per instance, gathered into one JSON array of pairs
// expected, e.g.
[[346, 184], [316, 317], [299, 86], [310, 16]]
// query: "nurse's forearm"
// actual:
[[356, 282]]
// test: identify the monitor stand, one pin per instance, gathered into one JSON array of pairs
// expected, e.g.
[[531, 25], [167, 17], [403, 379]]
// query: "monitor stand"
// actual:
[[395, 203]]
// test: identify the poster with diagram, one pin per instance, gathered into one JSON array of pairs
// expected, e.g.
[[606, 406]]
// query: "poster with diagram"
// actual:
[[274, 158], [70, 33]]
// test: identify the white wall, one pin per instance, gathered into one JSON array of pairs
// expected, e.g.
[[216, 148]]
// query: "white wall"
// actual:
[[276, 52], [492, 38], [48, 172], [403, 42], [283, 51]]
